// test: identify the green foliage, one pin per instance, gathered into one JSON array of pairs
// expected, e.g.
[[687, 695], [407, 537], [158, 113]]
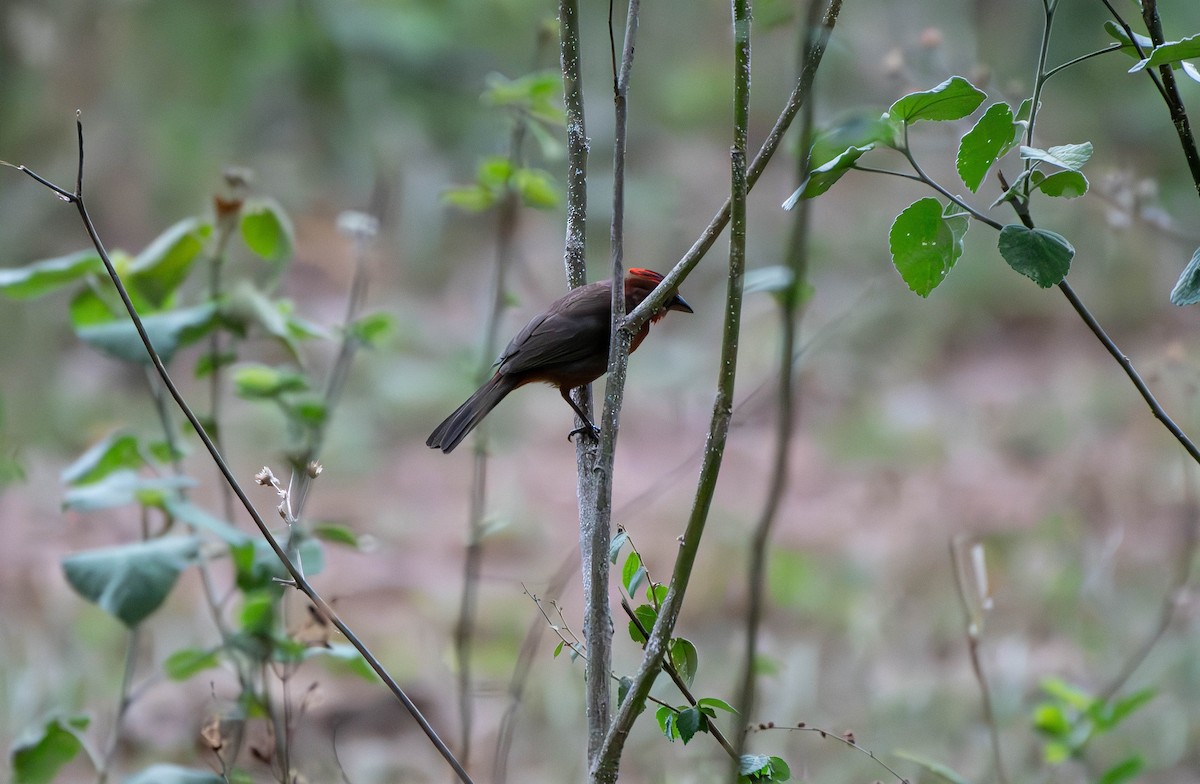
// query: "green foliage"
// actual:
[[1040, 255], [1187, 288], [37, 757], [993, 135], [130, 581], [266, 229], [1070, 719], [186, 662], [633, 573], [760, 767], [44, 277], [953, 99], [1170, 53], [926, 240]]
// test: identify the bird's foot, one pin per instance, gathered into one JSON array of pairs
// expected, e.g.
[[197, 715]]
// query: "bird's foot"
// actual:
[[588, 431]]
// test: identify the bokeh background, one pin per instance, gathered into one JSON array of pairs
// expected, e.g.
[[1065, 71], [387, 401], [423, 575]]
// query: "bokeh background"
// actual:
[[986, 411]]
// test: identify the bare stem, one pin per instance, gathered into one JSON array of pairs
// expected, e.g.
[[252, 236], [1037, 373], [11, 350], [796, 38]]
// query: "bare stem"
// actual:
[[657, 298], [789, 308], [605, 766]]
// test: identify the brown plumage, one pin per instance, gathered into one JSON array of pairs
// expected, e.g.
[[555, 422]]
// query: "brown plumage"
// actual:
[[566, 347]]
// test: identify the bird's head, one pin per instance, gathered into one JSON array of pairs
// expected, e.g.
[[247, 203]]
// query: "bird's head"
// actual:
[[639, 282]]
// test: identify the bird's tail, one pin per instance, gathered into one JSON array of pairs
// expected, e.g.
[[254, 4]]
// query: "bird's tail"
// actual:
[[456, 426]]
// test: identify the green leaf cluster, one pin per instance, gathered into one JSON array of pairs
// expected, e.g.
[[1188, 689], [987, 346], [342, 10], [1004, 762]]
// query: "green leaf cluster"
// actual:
[[926, 238], [1071, 720]]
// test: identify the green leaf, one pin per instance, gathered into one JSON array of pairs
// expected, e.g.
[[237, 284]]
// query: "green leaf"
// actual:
[[614, 547], [1050, 719], [992, 136], [647, 615], [263, 382], [1064, 156], [688, 722], [656, 594], [558, 648], [471, 198], [936, 768], [336, 534], [1118, 33], [164, 265], [713, 702], [494, 172], [779, 770], [823, 177], [925, 243], [1069, 695], [1064, 184], [257, 615], [42, 277], [207, 364], [1125, 770], [684, 658], [666, 722], [114, 452], [623, 687], [197, 517], [754, 764], [266, 229], [348, 656], [310, 410], [373, 329], [537, 188], [130, 581], [538, 93], [1042, 256], [168, 331], [1187, 288], [1170, 53], [38, 756], [124, 487], [632, 574], [953, 99], [185, 663], [249, 306], [1108, 715], [174, 774]]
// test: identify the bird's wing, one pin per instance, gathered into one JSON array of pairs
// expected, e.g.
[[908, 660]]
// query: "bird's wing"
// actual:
[[571, 331]]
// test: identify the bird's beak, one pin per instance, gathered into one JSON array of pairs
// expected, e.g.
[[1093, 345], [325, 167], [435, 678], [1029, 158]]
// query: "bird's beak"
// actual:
[[679, 303]]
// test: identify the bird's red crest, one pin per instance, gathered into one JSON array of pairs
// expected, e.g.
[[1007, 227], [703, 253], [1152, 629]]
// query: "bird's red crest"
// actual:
[[642, 272]]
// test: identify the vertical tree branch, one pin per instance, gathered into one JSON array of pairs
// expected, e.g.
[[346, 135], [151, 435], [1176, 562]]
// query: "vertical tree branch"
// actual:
[[596, 524], [790, 312], [1170, 91], [604, 769]]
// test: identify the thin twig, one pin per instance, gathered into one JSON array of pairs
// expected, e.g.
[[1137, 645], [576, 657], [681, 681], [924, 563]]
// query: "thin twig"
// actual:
[[507, 217], [673, 673], [974, 632], [596, 519], [298, 579], [789, 314], [657, 298], [846, 740]]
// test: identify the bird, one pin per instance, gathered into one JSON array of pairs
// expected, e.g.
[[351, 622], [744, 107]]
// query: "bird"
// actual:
[[566, 347]]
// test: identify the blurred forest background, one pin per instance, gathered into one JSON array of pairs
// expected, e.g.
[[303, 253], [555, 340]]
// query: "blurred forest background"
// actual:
[[986, 411]]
